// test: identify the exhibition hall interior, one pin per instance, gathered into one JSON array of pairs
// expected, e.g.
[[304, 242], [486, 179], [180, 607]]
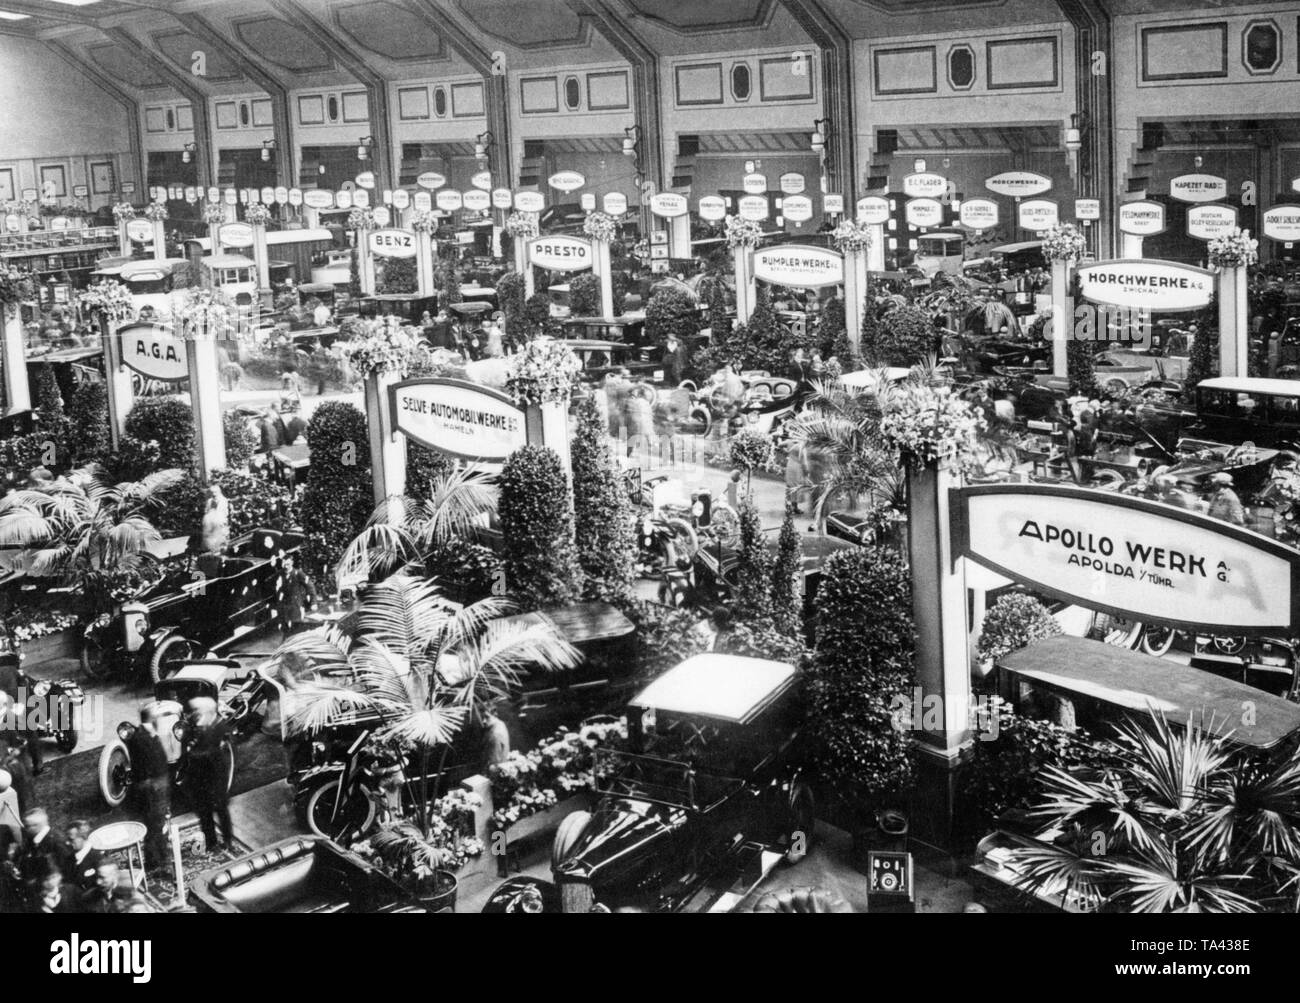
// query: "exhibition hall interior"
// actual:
[[569, 456]]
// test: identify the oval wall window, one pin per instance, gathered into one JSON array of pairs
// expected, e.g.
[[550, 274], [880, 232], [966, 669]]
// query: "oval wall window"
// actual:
[[740, 82], [572, 93], [333, 108], [171, 119], [243, 113], [439, 102]]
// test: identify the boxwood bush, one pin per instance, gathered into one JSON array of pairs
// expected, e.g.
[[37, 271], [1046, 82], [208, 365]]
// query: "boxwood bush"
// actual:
[[241, 443], [671, 311], [87, 412], [607, 547], [423, 467], [541, 559], [169, 422], [338, 497], [903, 337], [584, 295]]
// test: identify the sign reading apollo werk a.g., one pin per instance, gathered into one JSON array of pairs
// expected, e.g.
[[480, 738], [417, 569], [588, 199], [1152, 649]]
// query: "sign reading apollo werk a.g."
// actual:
[[1146, 284], [1209, 222], [1018, 184], [154, 353], [464, 420], [1198, 188], [1282, 222], [1142, 560], [392, 243], [560, 253], [1142, 219], [799, 266]]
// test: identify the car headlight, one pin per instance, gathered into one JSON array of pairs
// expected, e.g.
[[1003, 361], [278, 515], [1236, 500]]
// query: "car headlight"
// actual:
[[41, 688], [125, 730], [318, 751]]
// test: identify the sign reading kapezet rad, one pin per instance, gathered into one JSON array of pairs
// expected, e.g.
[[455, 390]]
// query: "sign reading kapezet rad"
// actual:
[[1018, 184], [1139, 559], [461, 419], [1198, 188], [1146, 284], [798, 266], [560, 253], [154, 353]]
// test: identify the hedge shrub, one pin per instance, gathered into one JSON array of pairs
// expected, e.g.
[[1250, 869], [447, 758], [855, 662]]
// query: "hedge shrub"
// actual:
[[671, 311], [752, 600], [467, 571], [241, 443], [87, 412], [338, 496], [257, 503], [584, 295], [541, 558], [1014, 621], [903, 337], [423, 467], [169, 422], [607, 546], [510, 297]]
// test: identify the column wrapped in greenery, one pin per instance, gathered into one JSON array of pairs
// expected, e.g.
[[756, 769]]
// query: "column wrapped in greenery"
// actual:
[[337, 499], [541, 557], [510, 297], [787, 605], [607, 545]]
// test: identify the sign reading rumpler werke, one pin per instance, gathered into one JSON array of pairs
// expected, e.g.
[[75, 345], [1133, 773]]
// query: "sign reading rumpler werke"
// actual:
[[460, 419], [1146, 284], [799, 266], [1139, 559]]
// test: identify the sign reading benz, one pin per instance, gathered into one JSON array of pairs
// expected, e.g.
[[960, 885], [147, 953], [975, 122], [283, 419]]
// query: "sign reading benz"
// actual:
[[460, 419], [1146, 284], [1138, 559], [799, 266], [154, 353]]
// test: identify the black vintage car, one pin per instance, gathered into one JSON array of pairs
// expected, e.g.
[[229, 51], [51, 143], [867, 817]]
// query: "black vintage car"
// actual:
[[704, 807]]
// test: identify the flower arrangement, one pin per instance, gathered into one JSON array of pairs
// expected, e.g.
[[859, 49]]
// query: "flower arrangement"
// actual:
[[214, 214], [15, 287], [123, 211], [257, 214], [155, 212], [384, 345], [410, 856], [752, 451], [544, 370], [203, 315], [1285, 489], [1014, 622], [742, 232], [522, 224], [21, 207], [25, 624], [1064, 243], [929, 425], [600, 226], [114, 298], [361, 219], [1233, 250], [852, 236], [423, 221]]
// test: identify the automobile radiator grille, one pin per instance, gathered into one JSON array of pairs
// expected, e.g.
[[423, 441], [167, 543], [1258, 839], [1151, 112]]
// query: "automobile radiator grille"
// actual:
[[576, 896]]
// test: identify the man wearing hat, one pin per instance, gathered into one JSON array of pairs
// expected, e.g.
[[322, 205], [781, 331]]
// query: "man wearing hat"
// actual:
[[149, 764], [207, 782], [1224, 503]]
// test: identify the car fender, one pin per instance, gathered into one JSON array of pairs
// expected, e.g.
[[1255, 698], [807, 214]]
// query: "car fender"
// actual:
[[155, 638], [308, 780]]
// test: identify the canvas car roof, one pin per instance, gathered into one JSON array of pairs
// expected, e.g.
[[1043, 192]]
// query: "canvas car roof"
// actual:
[[729, 688]]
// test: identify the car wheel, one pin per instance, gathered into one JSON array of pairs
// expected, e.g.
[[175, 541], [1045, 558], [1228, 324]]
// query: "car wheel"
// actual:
[[571, 827], [168, 656], [1230, 645], [802, 821], [341, 819], [114, 773], [1157, 640], [95, 660], [725, 523], [66, 740]]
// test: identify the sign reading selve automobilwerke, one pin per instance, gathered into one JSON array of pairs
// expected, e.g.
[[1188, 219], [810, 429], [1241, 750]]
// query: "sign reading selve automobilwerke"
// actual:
[[154, 353], [461, 419], [1146, 284], [560, 253], [799, 266], [1139, 559]]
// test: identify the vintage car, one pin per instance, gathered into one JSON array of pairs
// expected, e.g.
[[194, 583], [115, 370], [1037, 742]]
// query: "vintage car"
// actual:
[[1237, 409], [171, 698], [706, 804], [49, 706], [197, 608]]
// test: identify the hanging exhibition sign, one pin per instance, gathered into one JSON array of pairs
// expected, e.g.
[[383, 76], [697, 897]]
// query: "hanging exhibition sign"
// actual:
[[392, 243], [214, 194], [401, 198], [1209, 222], [1282, 222], [979, 214], [382, 216], [422, 201], [754, 184], [1142, 219], [464, 420], [191, 194], [566, 181], [236, 235], [713, 208], [587, 202], [924, 185], [924, 212], [1146, 284], [483, 181], [139, 230], [614, 203], [1018, 184], [361, 198], [448, 199], [343, 199], [431, 180], [791, 184], [668, 205], [295, 196], [873, 210], [753, 208], [281, 195], [366, 180], [529, 201], [1087, 209], [502, 198], [231, 196], [1198, 188], [318, 198], [797, 208], [833, 205], [799, 266], [1295, 185], [153, 353], [1038, 214], [1138, 559], [268, 195], [476, 200], [560, 253]]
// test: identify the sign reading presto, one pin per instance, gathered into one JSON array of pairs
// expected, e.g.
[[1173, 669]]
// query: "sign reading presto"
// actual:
[[1139, 559], [1146, 284], [560, 253], [799, 266], [461, 419], [154, 353]]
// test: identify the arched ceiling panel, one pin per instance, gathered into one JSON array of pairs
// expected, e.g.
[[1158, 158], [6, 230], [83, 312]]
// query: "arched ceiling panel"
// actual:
[[179, 47], [537, 24], [123, 65], [716, 15], [389, 31], [283, 44]]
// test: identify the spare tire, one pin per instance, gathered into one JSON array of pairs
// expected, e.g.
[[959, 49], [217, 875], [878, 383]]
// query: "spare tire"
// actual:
[[567, 835]]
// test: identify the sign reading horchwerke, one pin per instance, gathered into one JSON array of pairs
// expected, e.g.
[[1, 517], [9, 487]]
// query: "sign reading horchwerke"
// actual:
[[1018, 184], [1142, 560], [1282, 222], [392, 243], [1198, 188], [799, 266], [560, 253], [460, 419], [154, 353], [1142, 219], [1146, 284]]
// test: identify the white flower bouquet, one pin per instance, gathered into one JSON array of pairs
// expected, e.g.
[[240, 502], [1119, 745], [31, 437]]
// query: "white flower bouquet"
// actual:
[[123, 210], [204, 315], [929, 425], [742, 232], [1233, 250], [852, 236], [522, 224], [544, 370], [361, 219], [1064, 243], [114, 298], [424, 221], [386, 345], [214, 214], [155, 212], [257, 214], [600, 226]]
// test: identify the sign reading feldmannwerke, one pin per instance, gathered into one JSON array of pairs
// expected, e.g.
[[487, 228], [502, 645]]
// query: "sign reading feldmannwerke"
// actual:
[[1139, 559], [799, 266], [1146, 284], [461, 419]]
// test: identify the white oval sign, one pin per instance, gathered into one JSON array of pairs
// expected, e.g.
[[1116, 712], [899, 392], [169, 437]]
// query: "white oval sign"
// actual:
[[614, 203], [754, 184], [318, 198], [282, 195], [382, 216], [59, 223], [1018, 184], [343, 199], [431, 180], [140, 230], [833, 205], [799, 266], [1149, 284], [529, 201], [668, 205], [482, 180], [476, 200], [401, 198], [1039, 214], [361, 197], [295, 196], [366, 180], [791, 184], [924, 212], [1295, 184], [390, 243], [713, 208], [979, 214], [560, 253], [448, 200], [214, 194], [460, 419], [566, 181], [1282, 222], [1142, 219], [191, 193], [797, 208], [231, 196], [924, 186], [1198, 188], [268, 195], [422, 201], [587, 202], [1087, 208], [502, 198], [873, 210], [154, 353], [753, 208], [12, 222], [1209, 222], [235, 235]]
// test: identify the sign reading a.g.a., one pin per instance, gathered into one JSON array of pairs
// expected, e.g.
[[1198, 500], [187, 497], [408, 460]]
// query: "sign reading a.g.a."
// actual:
[[461, 419], [560, 253], [1142, 560], [153, 352], [392, 243], [1146, 284], [799, 266]]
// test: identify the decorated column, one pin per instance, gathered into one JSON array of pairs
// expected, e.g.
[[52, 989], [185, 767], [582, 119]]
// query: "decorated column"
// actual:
[[426, 255], [257, 216], [743, 235], [203, 321], [381, 355], [601, 227], [876, 250], [123, 213], [156, 213], [1232, 254], [522, 227], [110, 303], [1062, 246], [214, 214], [856, 241], [361, 222], [13, 289], [540, 381]]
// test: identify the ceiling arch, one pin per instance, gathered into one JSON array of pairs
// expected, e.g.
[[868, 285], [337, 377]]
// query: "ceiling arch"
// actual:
[[283, 44], [122, 64], [179, 48], [389, 31]]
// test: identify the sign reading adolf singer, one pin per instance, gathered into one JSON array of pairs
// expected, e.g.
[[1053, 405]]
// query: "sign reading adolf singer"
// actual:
[[461, 419]]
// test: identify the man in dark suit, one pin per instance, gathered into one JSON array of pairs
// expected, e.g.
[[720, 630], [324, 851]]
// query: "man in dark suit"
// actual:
[[206, 771], [42, 850], [83, 859], [674, 361], [149, 764], [55, 898], [102, 898]]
